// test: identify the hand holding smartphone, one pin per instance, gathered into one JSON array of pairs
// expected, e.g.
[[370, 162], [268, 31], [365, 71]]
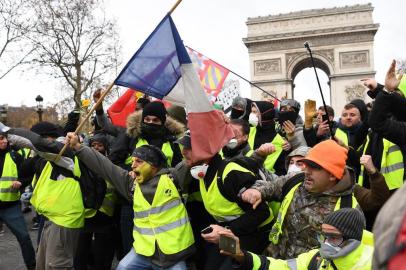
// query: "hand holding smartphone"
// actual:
[[206, 230], [228, 244]]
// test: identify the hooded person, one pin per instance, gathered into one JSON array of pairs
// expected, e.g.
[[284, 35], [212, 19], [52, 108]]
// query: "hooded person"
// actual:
[[263, 131], [340, 247], [152, 126], [162, 232], [240, 108], [292, 122]]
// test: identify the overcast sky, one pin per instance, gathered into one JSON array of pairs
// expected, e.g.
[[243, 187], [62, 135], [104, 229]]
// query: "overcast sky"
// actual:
[[216, 29]]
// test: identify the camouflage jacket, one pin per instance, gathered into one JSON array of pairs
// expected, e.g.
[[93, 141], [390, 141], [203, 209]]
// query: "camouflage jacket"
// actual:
[[305, 214]]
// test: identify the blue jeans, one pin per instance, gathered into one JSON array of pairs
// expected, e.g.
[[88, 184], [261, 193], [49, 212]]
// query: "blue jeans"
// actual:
[[134, 261], [14, 219]]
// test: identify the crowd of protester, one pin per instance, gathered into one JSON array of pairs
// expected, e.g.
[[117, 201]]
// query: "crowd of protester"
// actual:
[[323, 192]]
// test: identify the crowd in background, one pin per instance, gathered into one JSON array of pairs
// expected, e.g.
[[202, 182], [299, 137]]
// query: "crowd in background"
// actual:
[[284, 193]]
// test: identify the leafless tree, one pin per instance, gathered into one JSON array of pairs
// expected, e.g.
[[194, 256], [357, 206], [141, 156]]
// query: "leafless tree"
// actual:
[[75, 41], [14, 22]]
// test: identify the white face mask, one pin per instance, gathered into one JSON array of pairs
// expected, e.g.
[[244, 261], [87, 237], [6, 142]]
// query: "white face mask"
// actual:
[[199, 171], [293, 168], [232, 144], [253, 119]]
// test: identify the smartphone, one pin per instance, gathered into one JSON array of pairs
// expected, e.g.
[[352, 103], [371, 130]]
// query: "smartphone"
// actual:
[[228, 244], [282, 117], [324, 117], [207, 230]]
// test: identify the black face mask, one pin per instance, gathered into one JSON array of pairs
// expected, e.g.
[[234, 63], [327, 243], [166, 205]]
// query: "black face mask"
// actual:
[[236, 114], [152, 131], [287, 115]]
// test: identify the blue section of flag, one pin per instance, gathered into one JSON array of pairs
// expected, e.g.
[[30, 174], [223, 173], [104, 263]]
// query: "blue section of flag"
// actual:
[[155, 68]]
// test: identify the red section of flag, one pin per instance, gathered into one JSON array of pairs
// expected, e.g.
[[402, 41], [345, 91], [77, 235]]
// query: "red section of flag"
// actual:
[[120, 109], [209, 132]]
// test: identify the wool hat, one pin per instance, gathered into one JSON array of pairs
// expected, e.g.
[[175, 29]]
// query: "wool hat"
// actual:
[[178, 113], [142, 102], [330, 156], [362, 108], [349, 221], [47, 129], [99, 137], [155, 108], [151, 154]]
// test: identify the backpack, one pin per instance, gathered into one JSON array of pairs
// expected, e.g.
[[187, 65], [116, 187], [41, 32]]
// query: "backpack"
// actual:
[[93, 187]]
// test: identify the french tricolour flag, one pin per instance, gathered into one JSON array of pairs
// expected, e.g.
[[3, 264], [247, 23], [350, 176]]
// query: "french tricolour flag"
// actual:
[[162, 68]]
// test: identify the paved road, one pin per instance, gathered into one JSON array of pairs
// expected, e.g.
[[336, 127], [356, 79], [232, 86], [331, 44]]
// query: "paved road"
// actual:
[[10, 252]]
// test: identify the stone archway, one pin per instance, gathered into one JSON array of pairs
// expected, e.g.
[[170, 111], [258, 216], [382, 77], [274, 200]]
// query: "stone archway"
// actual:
[[342, 45]]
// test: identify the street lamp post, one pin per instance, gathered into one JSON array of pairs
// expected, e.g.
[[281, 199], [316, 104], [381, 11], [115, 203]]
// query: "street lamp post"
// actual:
[[39, 101], [3, 114]]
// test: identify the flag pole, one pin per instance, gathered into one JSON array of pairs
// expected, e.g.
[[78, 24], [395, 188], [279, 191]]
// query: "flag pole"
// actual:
[[241, 77], [82, 123], [174, 7]]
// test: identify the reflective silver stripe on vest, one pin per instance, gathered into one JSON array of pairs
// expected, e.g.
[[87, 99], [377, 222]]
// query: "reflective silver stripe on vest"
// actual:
[[226, 218], [393, 148], [391, 168], [158, 209], [8, 178], [8, 190], [292, 264], [163, 228]]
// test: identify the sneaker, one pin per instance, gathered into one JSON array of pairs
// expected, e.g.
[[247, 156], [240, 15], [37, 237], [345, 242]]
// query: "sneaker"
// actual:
[[35, 226]]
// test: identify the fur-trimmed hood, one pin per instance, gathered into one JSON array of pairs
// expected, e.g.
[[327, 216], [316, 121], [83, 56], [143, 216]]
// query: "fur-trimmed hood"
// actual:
[[134, 125]]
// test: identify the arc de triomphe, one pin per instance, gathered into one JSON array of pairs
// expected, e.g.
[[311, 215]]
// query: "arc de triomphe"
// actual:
[[341, 39]]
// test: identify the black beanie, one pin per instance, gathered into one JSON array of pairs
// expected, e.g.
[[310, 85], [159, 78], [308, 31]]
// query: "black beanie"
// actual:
[[362, 107], [47, 129], [142, 102], [349, 221], [99, 137], [151, 154], [155, 108]]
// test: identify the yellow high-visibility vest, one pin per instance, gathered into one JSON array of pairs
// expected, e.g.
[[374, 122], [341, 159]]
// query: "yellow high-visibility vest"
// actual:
[[217, 205], [271, 159], [60, 200], [276, 230], [392, 166], [165, 222], [8, 175]]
